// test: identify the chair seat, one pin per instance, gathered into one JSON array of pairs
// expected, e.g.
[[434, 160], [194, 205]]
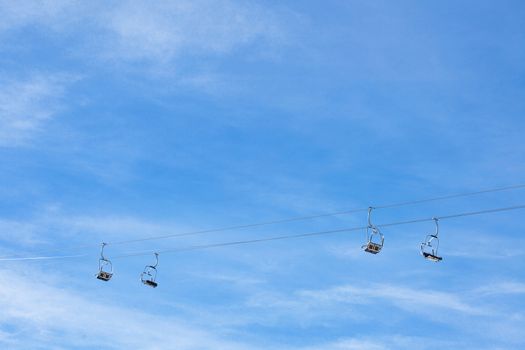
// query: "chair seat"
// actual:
[[373, 248], [432, 257], [104, 276], [152, 284]]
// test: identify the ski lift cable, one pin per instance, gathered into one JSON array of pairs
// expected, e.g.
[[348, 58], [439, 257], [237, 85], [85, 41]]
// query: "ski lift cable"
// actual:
[[54, 257], [292, 219], [318, 233], [276, 238], [452, 196], [304, 218]]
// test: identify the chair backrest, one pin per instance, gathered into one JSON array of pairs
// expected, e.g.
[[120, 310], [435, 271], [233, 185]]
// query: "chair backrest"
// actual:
[[149, 274], [105, 265]]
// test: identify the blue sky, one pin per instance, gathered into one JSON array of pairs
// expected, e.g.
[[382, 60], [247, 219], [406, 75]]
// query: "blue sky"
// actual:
[[127, 120]]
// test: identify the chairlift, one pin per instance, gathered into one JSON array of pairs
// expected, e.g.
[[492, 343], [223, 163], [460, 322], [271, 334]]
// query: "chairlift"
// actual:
[[429, 248], [374, 237], [149, 275], [105, 267]]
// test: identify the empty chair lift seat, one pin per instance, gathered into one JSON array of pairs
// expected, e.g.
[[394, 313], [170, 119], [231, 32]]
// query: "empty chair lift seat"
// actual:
[[374, 237], [429, 248], [104, 276], [372, 247], [149, 275], [432, 257], [150, 283], [105, 267]]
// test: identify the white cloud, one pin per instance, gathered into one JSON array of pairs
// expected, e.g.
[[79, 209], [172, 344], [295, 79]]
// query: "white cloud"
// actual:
[[159, 32], [16, 14], [413, 300], [21, 232], [25, 106], [394, 342], [176, 41], [473, 244], [353, 344], [45, 232], [502, 288], [35, 313], [403, 297]]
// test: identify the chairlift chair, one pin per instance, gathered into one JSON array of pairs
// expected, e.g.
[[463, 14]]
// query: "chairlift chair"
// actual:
[[429, 248], [105, 267], [374, 237], [149, 275]]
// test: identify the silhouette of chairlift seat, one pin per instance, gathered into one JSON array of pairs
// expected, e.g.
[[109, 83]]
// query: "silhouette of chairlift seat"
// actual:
[[429, 248], [372, 232], [150, 283], [104, 276], [149, 275], [432, 257], [105, 267], [372, 247]]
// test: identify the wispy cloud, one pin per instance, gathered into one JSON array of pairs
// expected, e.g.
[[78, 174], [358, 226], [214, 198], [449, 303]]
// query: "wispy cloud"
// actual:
[[403, 297], [18, 14], [36, 312], [164, 31], [353, 344], [157, 32], [21, 232], [37, 232], [483, 245], [25, 106], [311, 306], [502, 288], [383, 342]]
